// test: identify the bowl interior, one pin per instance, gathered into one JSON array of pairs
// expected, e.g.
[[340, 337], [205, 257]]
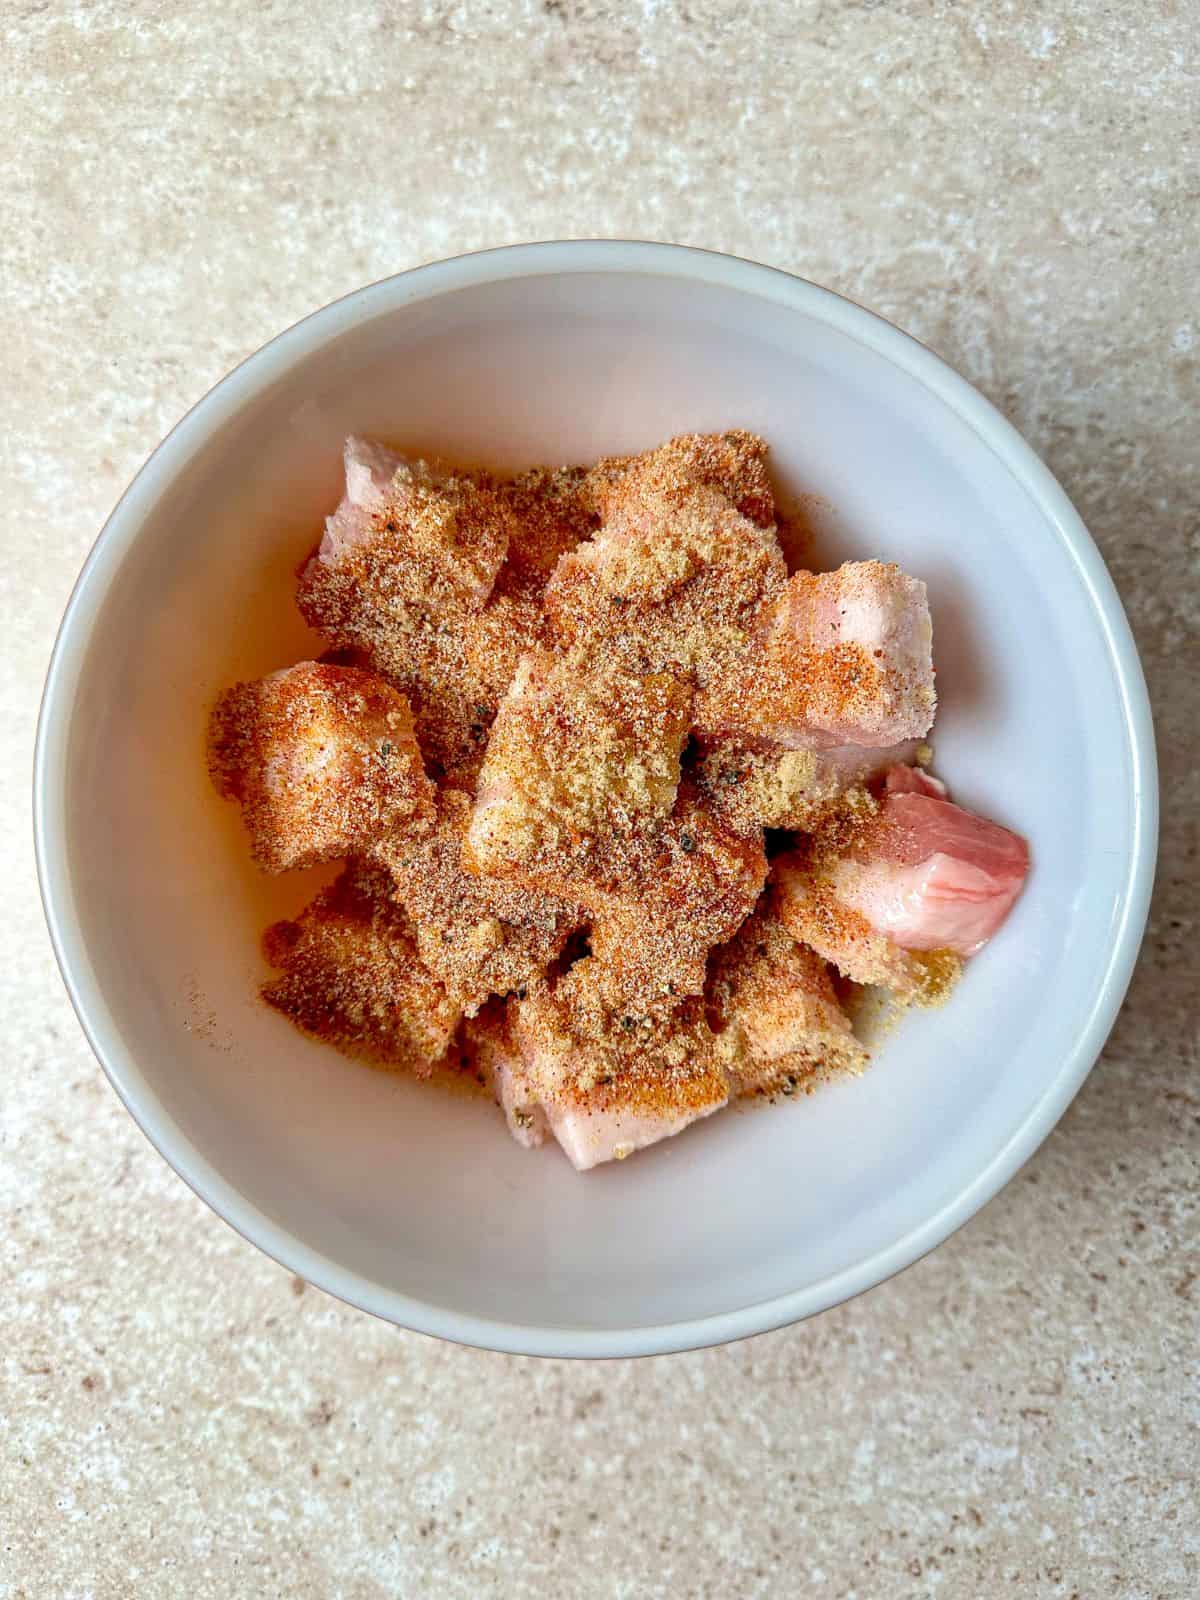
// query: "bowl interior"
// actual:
[[413, 1201]]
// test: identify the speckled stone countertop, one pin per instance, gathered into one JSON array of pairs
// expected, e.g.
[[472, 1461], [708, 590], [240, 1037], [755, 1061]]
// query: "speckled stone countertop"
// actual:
[[1019, 186]]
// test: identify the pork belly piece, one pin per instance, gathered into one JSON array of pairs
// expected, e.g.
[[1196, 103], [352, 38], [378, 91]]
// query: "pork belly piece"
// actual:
[[403, 577], [553, 510], [480, 936], [549, 515], [898, 893], [935, 876], [611, 1083], [773, 1009], [733, 463], [579, 799], [678, 579], [669, 583], [351, 974], [905, 779], [687, 885], [842, 658], [579, 756], [369, 470], [793, 789], [492, 1050], [321, 758], [411, 539]]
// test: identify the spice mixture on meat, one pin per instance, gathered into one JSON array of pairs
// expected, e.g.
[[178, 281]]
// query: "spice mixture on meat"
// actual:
[[557, 716]]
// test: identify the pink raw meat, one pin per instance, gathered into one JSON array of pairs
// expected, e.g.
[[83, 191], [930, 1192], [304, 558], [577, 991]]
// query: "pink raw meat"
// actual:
[[933, 876], [608, 1084], [499, 1061], [862, 640], [912, 780], [591, 1136], [370, 468]]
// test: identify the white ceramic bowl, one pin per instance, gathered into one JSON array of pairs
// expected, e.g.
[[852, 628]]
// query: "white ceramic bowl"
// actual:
[[415, 1205]]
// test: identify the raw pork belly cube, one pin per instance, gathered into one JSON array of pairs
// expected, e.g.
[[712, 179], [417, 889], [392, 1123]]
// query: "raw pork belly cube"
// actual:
[[322, 759], [548, 516], [460, 674], [351, 975], [480, 936], [773, 1009], [577, 753], [919, 880], [370, 470], [492, 1049], [733, 463], [935, 877], [685, 888], [613, 1083], [812, 913], [553, 511], [404, 578], [579, 798], [403, 572], [845, 658], [449, 530], [670, 582]]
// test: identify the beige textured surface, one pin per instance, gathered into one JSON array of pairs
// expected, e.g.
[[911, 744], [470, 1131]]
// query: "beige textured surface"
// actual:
[[1018, 185]]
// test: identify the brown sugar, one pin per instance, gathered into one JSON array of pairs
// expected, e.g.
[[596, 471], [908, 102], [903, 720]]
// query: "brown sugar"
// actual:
[[322, 759], [479, 936], [672, 583], [772, 1005], [771, 789], [553, 510], [733, 463], [351, 974], [581, 756]]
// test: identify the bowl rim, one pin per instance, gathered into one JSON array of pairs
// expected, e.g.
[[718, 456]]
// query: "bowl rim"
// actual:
[[222, 402]]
